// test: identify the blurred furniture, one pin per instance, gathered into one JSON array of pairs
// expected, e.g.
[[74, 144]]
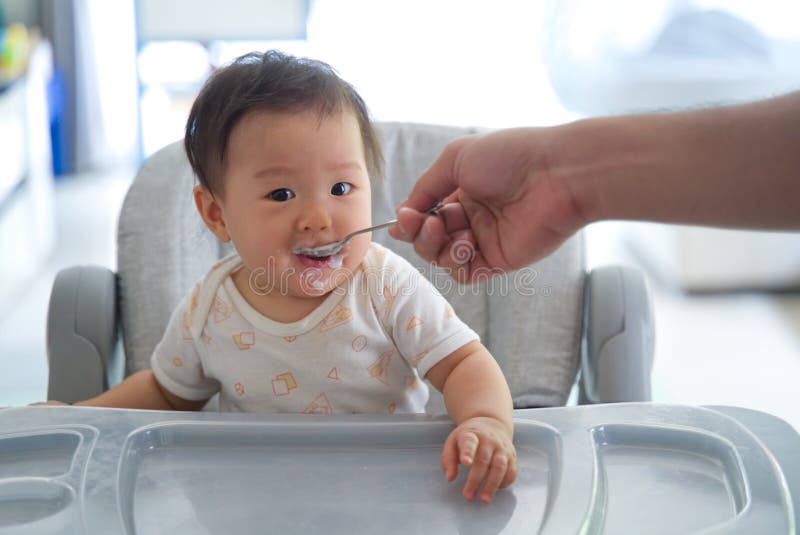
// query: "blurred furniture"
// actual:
[[26, 178], [701, 259]]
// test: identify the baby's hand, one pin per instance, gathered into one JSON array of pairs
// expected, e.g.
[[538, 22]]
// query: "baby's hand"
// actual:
[[484, 444]]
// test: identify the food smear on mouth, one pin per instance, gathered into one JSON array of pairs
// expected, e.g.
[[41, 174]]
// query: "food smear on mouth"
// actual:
[[312, 278], [336, 261]]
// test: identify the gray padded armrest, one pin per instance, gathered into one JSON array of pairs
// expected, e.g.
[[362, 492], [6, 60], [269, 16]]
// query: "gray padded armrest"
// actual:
[[81, 332], [618, 345]]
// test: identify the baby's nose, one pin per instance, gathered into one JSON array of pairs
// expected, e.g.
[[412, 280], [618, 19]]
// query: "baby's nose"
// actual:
[[315, 219]]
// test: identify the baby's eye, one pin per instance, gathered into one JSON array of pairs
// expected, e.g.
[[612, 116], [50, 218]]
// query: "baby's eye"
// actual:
[[280, 195], [341, 188]]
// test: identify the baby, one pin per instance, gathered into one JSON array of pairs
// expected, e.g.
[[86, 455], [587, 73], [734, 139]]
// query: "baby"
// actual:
[[283, 150]]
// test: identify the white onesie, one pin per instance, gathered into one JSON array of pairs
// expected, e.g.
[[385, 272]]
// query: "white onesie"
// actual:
[[363, 349]]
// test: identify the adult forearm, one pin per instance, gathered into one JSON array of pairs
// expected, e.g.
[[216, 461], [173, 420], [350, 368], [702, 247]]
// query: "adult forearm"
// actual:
[[734, 166]]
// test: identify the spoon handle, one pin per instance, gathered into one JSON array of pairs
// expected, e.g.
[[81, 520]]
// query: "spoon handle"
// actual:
[[387, 224]]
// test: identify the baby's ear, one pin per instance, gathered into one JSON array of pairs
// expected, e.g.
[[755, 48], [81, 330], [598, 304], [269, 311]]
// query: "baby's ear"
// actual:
[[211, 212]]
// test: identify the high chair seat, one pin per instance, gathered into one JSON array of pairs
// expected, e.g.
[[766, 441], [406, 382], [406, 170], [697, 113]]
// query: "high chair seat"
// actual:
[[542, 323]]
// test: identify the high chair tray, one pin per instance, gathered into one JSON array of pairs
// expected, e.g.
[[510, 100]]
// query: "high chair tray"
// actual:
[[625, 468]]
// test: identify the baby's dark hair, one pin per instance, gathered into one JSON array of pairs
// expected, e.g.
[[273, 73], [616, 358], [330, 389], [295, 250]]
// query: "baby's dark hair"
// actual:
[[269, 81]]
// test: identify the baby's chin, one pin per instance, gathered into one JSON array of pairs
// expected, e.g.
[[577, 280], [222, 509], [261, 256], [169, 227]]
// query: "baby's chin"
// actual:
[[314, 282], [322, 275]]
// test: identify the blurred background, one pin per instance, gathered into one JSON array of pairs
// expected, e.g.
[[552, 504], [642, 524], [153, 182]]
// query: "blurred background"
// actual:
[[89, 88]]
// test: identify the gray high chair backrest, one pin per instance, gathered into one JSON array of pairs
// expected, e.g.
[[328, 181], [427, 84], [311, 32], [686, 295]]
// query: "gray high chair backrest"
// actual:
[[164, 248], [531, 320]]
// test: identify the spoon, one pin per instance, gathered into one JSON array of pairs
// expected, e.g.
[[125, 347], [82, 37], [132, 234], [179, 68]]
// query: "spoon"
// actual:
[[334, 247]]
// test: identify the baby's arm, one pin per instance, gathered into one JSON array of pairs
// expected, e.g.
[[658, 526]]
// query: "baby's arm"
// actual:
[[479, 402], [142, 391]]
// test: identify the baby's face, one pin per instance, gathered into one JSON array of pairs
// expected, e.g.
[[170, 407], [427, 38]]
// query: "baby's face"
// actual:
[[292, 181]]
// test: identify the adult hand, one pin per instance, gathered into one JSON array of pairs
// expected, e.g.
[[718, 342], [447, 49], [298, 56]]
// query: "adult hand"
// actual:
[[504, 205], [515, 195]]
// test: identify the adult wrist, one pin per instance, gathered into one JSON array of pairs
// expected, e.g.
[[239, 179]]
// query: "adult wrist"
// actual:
[[579, 159], [613, 165]]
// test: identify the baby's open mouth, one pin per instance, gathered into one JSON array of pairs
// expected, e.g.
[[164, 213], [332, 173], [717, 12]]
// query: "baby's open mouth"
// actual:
[[309, 260]]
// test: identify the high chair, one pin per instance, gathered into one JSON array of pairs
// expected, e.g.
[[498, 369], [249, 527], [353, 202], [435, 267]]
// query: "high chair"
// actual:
[[598, 468], [547, 324]]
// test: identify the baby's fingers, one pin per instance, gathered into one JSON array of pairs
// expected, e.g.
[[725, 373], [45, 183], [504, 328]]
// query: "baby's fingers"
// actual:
[[511, 473], [480, 468], [450, 458], [497, 474], [459, 448], [467, 447]]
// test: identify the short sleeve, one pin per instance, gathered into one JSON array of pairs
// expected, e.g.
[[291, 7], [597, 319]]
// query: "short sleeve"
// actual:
[[421, 322], [176, 363]]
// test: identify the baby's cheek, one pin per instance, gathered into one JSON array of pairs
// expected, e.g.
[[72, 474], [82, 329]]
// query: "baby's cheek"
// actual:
[[357, 250]]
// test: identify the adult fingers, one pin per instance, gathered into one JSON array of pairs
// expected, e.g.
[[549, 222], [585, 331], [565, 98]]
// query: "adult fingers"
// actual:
[[459, 251], [463, 260], [454, 217], [409, 221], [431, 238], [439, 180]]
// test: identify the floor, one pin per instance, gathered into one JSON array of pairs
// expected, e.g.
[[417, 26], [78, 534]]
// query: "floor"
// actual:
[[733, 349]]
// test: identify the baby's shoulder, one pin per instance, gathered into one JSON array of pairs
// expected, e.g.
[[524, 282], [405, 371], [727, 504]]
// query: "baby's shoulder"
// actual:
[[381, 257], [383, 269], [198, 303], [208, 285]]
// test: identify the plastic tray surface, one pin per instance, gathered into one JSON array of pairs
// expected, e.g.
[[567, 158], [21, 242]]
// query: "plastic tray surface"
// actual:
[[606, 469], [42, 471], [315, 475]]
